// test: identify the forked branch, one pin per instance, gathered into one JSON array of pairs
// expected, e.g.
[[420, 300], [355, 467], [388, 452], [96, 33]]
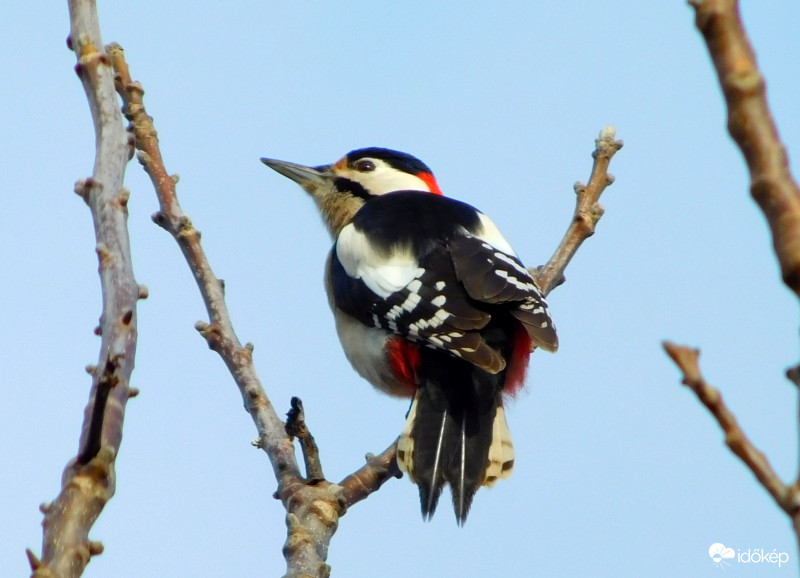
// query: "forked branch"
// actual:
[[219, 331], [312, 509], [313, 504]]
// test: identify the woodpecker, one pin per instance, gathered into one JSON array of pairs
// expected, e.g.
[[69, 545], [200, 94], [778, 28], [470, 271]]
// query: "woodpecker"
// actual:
[[430, 303]]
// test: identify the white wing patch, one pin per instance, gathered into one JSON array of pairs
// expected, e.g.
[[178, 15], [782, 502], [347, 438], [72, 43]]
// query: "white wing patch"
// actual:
[[384, 275]]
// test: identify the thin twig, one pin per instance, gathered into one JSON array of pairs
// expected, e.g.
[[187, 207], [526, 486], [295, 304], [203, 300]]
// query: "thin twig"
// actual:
[[587, 211], [687, 360], [296, 428], [313, 510], [89, 480], [219, 332]]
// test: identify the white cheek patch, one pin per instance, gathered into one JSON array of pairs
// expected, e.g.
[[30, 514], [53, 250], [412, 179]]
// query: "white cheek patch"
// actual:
[[383, 275], [386, 179]]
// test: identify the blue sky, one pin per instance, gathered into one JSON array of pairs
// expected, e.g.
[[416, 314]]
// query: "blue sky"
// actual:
[[619, 472]]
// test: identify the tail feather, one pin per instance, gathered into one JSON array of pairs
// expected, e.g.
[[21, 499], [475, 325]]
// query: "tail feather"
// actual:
[[470, 446], [459, 504], [456, 432], [457, 435], [414, 463], [436, 477], [405, 444], [501, 452]]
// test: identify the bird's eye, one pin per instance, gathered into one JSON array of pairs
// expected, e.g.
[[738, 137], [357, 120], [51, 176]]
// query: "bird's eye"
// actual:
[[365, 166]]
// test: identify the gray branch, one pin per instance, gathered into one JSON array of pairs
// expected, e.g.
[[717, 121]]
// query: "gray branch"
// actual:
[[88, 481]]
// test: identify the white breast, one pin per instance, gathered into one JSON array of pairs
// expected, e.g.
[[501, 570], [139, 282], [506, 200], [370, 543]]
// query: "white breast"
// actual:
[[365, 349]]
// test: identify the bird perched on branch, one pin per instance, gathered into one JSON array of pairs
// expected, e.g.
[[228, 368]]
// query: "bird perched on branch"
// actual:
[[431, 303]]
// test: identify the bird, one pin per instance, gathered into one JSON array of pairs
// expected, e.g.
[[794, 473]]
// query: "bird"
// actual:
[[430, 303]]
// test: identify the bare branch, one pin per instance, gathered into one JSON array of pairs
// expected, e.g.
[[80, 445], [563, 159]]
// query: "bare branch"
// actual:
[[751, 125], [772, 186], [377, 471], [686, 359], [313, 509], [219, 332], [88, 481], [587, 212]]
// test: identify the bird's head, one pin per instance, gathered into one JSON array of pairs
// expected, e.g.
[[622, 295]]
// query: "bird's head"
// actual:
[[342, 188]]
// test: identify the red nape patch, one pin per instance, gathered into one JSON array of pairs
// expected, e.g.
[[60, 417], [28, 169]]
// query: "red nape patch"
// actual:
[[428, 179], [403, 357], [518, 364]]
